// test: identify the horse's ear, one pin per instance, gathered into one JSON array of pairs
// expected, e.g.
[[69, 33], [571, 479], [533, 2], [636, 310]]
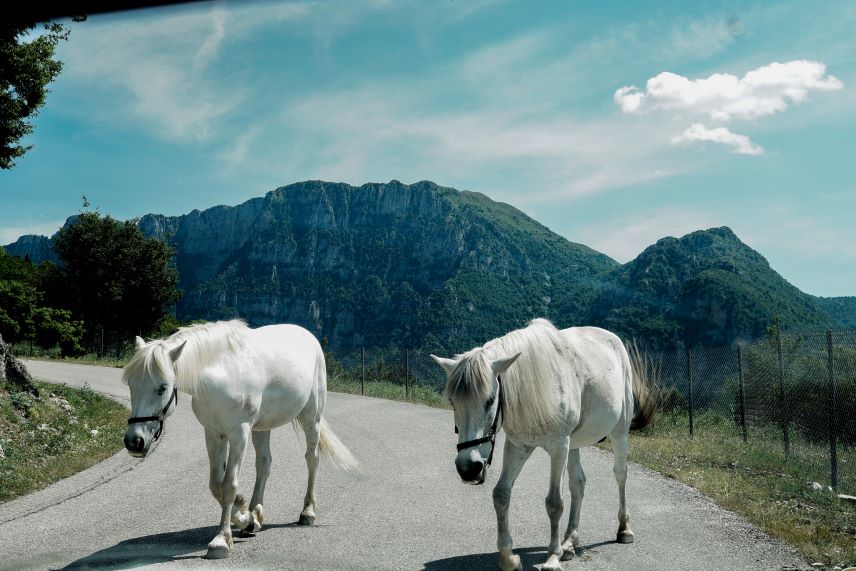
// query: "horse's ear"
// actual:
[[447, 364], [502, 365], [174, 354], [139, 343]]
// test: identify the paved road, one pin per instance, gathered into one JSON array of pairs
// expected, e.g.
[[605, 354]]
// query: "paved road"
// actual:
[[406, 509]]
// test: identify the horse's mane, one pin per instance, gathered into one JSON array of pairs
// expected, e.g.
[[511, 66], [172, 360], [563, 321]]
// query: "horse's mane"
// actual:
[[530, 386], [205, 344]]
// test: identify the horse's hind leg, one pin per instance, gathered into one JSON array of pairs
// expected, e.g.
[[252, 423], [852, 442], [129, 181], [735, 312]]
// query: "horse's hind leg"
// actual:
[[221, 545], [261, 442], [312, 430], [577, 484], [621, 449]]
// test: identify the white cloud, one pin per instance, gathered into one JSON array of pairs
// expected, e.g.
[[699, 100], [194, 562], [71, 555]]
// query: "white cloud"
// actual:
[[763, 91], [723, 97], [740, 144]]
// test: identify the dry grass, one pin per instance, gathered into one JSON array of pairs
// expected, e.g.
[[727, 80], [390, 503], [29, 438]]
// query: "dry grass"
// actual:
[[757, 481]]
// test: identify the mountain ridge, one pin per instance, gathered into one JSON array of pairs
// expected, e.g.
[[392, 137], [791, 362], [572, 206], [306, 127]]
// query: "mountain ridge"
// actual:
[[427, 265]]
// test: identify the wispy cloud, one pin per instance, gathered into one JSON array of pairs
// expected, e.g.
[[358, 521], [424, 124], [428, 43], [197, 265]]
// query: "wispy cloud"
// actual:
[[161, 65], [740, 144]]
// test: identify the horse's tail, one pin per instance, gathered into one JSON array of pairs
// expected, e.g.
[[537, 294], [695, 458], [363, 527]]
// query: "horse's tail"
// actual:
[[646, 393], [333, 450]]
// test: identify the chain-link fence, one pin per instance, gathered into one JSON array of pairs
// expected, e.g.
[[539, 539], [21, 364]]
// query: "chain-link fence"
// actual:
[[794, 395]]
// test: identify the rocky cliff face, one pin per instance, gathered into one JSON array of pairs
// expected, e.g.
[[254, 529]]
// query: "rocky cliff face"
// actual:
[[36, 248], [377, 264]]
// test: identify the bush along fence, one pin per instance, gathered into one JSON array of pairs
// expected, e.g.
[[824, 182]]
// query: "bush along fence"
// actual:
[[791, 396]]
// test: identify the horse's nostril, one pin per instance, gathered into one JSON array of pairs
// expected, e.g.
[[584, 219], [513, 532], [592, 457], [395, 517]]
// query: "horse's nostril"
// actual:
[[138, 443]]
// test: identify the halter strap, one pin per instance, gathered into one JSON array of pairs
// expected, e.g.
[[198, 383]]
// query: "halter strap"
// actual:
[[161, 416], [491, 436]]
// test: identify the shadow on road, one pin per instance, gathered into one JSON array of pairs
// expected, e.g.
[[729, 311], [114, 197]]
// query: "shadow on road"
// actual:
[[530, 557], [160, 548]]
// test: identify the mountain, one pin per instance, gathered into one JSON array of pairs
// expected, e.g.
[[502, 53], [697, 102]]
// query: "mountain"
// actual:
[[36, 248], [379, 264], [706, 288], [842, 310], [423, 265]]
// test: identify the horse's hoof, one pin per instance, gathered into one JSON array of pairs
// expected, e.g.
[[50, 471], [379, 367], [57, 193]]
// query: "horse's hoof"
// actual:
[[306, 519], [625, 537], [217, 551], [553, 565], [513, 563], [568, 553]]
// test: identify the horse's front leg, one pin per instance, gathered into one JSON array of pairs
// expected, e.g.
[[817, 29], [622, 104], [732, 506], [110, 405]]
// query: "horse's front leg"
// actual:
[[558, 458], [513, 459], [218, 450], [222, 543]]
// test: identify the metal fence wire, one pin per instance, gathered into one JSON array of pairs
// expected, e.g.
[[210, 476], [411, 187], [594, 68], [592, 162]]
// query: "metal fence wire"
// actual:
[[795, 394]]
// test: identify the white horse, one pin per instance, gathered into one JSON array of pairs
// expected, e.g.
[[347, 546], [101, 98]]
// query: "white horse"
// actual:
[[559, 390], [244, 382]]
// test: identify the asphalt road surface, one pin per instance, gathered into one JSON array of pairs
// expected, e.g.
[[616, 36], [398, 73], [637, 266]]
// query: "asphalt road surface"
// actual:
[[405, 509]]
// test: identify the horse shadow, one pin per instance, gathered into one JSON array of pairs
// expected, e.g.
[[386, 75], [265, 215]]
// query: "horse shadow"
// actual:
[[157, 548], [530, 558]]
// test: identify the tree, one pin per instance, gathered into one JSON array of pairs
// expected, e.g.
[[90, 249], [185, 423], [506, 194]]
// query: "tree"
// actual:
[[26, 69], [114, 279]]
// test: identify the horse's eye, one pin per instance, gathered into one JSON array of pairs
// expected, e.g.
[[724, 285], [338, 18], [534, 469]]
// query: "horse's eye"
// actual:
[[162, 389], [489, 403]]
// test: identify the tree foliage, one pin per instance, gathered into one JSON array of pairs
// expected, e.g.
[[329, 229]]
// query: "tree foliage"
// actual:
[[114, 279], [24, 315], [27, 66]]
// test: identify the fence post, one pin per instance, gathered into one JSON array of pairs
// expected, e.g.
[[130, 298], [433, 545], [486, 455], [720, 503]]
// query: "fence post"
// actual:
[[362, 370], [833, 445], [742, 392], [783, 398], [690, 386], [406, 372]]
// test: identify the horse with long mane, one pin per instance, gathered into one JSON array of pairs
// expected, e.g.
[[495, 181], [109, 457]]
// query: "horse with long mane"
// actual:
[[244, 383], [558, 390]]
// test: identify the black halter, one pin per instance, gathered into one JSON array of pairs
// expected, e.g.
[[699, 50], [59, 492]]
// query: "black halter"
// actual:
[[159, 417], [491, 436]]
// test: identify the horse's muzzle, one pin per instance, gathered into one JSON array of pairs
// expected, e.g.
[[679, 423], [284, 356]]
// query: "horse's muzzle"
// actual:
[[472, 471], [136, 445]]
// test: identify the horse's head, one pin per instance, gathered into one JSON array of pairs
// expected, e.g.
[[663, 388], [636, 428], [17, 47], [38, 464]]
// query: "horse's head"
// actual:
[[150, 375], [474, 389]]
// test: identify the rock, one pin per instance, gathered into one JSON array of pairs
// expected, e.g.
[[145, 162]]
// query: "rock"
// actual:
[[2, 453], [93, 432], [847, 498], [13, 372], [816, 486], [818, 565]]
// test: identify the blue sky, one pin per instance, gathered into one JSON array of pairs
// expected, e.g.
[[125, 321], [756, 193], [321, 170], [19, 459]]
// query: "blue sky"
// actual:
[[614, 124]]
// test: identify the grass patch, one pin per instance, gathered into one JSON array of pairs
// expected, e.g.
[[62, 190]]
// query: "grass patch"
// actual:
[[51, 436], [25, 351], [756, 480]]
